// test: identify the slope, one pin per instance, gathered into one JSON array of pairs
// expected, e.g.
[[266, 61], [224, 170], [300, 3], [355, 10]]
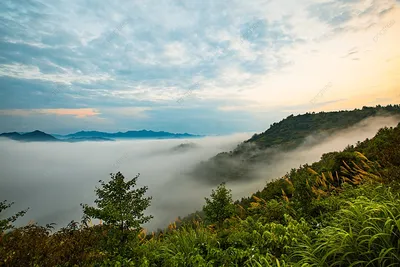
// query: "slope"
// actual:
[[285, 135]]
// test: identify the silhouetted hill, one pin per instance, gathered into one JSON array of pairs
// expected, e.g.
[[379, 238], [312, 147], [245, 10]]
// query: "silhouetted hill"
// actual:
[[88, 134], [35, 136], [184, 147], [12, 135]]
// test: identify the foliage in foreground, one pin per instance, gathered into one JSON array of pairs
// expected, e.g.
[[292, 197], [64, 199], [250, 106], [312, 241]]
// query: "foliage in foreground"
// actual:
[[366, 233], [341, 211], [6, 224]]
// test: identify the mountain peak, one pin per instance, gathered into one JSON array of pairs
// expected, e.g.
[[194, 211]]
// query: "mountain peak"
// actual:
[[30, 136], [38, 132]]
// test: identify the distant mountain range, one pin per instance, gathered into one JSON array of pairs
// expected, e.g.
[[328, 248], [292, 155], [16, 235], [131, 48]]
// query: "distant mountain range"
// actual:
[[31, 136], [39, 136], [131, 134]]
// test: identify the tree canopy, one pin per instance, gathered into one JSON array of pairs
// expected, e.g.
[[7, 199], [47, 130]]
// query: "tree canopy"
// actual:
[[220, 206], [119, 203]]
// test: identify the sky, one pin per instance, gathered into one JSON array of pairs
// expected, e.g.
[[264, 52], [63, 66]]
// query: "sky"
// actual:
[[203, 67]]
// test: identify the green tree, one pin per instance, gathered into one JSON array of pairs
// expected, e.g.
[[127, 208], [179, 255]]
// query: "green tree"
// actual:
[[220, 206], [6, 224], [120, 204]]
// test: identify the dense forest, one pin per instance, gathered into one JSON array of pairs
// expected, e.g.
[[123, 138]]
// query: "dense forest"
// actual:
[[343, 210]]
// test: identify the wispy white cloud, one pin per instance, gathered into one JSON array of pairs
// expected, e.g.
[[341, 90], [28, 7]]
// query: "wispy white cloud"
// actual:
[[151, 53], [136, 112], [30, 72]]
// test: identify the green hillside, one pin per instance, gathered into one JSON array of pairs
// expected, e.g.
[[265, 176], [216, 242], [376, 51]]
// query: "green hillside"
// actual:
[[285, 135], [292, 131]]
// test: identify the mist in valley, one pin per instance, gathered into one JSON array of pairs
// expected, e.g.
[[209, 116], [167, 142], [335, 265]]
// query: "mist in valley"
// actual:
[[52, 179]]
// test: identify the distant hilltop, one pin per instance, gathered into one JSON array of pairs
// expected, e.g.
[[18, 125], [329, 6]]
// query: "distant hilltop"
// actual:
[[39, 136], [31, 136]]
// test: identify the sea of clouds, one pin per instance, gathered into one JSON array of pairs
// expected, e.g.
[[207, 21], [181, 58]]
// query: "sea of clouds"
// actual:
[[52, 179]]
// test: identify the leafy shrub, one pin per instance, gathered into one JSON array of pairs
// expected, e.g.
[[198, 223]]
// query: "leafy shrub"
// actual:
[[220, 206], [6, 224]]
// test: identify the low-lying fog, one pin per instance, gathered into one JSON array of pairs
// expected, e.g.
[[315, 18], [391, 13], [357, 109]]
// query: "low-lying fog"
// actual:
[[52, 179]]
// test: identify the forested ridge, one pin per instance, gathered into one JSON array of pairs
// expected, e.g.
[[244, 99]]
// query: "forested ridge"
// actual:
[[343, 210], [286, 135], [290, 132]]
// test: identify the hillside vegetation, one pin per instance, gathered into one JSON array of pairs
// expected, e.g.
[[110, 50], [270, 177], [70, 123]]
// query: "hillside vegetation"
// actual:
[[285, 135], [343, 210], [293, 130]]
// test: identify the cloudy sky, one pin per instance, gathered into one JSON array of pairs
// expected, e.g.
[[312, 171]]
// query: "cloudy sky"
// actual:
[[206, 67]]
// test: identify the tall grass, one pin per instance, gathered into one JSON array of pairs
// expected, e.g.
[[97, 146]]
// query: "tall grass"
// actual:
[[189, 247], [365, 233]]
